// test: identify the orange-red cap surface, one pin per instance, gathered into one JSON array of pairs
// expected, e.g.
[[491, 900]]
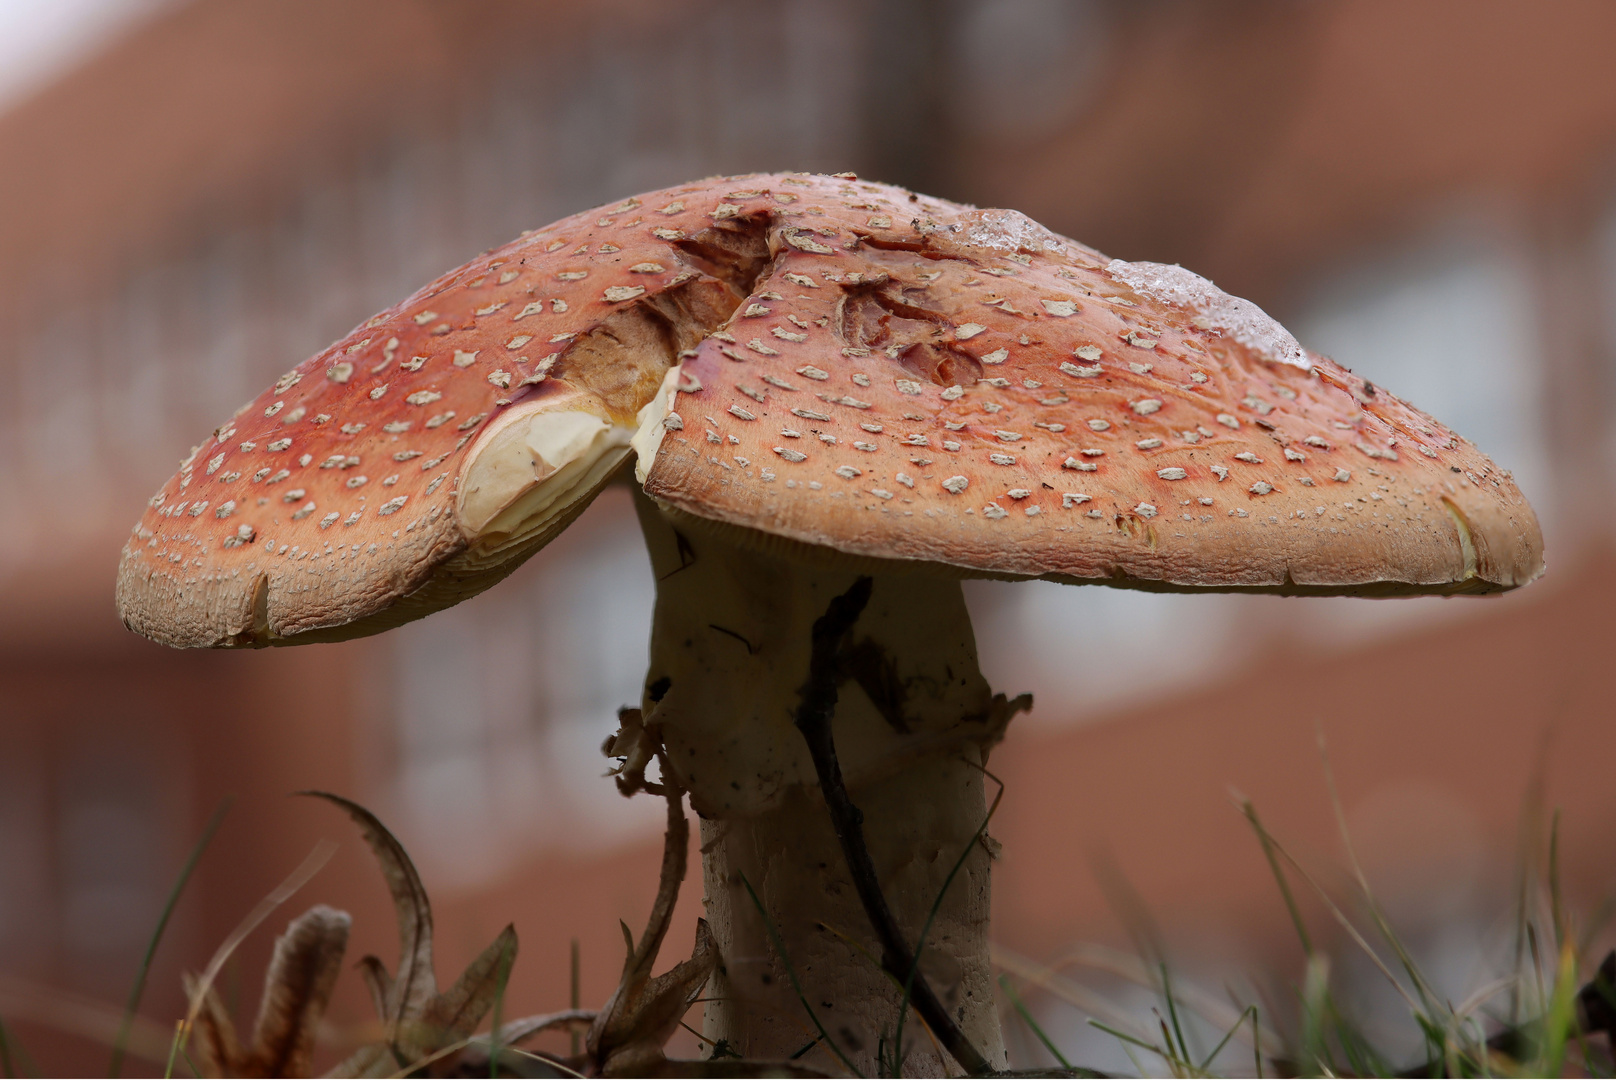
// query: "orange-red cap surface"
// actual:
[[863, 369], [965, 387]]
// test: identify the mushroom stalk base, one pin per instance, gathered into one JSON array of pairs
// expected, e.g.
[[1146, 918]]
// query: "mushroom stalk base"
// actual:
[[913, 723]]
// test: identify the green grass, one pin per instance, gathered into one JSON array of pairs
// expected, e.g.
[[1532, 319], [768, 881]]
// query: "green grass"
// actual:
[[1027, 1018], [796, 984], [1525, 1023], [1538, 1034], [1529, 1021], [299, 877], [132, 1006], [507, 958], [896, 1067], [14, 1060]]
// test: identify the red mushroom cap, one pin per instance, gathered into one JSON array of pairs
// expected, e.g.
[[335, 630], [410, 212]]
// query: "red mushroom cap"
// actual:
[[858, 368], [334, 504], [966, 388]]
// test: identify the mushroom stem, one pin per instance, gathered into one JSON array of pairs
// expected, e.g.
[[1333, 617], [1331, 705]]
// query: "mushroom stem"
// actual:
[[819, 695], [911, 724]]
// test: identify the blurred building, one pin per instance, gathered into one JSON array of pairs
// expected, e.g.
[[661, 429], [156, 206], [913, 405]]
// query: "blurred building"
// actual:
[[1422, 190]]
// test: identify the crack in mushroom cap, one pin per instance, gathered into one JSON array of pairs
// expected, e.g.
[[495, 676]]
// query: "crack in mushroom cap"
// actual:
[[965, 388], [335, 504], [842, 364]]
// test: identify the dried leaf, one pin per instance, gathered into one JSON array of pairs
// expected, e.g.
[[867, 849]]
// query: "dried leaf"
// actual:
[[675, 855], [427, 1031], [200, 988], [217, 1044], [662, 1005], [627, 1037], [377, 1059], [635, 746], [628, 949], [297, 989], [749, 1068], [453, 1015], [415, 985], [377, 981], [475, 1060], [519, 1031]]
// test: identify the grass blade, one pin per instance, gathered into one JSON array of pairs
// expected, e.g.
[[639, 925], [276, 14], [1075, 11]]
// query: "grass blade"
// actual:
[[1172, 1011], [1346, 924], [1561, 1019], [1269, 852], [119, 1046], [174, 1049], [575, 996], [1256, 1042], [10, 1048], [1430, 1001], [1033, 1025], [1315, 1047], [545, 1061], [1125, 1037], [415, 984], [1527, 863], [1050, 981], [507, 958], [1130, 967], [936, 906], [310, 866], [1557, 912]]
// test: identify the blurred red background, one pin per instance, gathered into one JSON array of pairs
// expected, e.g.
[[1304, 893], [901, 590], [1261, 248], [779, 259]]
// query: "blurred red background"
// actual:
[[216, 189]]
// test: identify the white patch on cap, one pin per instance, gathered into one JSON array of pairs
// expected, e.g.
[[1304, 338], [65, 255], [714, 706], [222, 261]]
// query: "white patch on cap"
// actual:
[[1241, 320], [536, 460], [652, 421], [1006, 230]]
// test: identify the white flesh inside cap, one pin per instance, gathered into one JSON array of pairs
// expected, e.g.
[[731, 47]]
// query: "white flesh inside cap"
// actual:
[[538, 461]]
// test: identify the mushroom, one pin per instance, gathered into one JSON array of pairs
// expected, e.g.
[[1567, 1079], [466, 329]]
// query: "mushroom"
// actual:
[[834, 392]]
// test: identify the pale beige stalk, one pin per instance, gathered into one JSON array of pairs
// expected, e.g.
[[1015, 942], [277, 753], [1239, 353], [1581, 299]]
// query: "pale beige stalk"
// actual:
[[729, 649]]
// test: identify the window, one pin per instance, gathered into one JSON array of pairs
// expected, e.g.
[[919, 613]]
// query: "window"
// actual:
[[501, 704]]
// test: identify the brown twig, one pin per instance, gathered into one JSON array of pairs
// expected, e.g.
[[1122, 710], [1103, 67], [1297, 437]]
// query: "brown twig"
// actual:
[[630, 1031], [819, 694]]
